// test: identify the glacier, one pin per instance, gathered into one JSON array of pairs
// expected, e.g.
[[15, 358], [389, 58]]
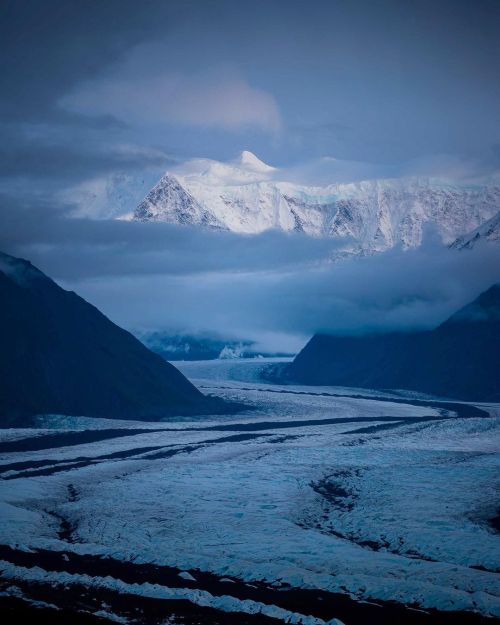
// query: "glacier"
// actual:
[[369, 496]]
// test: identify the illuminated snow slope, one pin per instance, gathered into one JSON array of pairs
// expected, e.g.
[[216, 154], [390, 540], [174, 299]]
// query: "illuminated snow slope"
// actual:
[[248, 196]]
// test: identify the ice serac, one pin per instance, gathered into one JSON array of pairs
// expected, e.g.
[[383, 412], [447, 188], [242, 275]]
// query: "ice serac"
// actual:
[[458, 359], [246, 195], [60, 355]]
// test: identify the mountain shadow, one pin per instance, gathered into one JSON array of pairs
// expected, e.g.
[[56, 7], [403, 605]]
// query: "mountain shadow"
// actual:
[[60, 355], [458, 359]]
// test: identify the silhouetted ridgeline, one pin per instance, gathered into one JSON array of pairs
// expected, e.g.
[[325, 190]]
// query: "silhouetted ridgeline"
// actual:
[[458, 359], [60, 355]]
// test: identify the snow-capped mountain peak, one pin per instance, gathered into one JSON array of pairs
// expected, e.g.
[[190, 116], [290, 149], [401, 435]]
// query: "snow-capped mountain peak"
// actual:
[[248, 160], [246, 195], [246, 168]]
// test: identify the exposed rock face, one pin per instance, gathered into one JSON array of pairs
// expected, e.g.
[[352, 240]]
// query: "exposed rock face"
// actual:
[[183, 207]]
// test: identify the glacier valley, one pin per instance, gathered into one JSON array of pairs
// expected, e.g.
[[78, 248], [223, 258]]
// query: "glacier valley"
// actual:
[[325, 505]]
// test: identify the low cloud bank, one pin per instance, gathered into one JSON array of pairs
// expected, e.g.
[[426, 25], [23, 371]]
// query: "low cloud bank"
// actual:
[[276, 288]]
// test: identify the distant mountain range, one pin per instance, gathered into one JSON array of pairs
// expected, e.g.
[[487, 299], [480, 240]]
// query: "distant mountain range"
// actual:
[[177, 347], [60, 355], [459, 359], [249, 196]]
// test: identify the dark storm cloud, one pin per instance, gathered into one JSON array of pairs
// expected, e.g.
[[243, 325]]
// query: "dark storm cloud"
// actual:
[[382, 81], [46, 153], [378, 81], [47, 47]]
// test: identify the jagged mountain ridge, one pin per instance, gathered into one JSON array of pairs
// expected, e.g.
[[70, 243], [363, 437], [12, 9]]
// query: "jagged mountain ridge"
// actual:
[[487, 231], [248, 196]]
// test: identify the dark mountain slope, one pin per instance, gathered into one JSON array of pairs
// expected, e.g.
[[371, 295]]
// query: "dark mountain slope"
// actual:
[[60, 355], [459, 359]]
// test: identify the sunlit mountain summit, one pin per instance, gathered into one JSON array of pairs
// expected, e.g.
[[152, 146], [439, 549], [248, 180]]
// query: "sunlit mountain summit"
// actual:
[[248, 196]]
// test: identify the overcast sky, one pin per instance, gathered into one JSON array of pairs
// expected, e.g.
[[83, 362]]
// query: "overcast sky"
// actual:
[[113, 84], [120, 86]]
